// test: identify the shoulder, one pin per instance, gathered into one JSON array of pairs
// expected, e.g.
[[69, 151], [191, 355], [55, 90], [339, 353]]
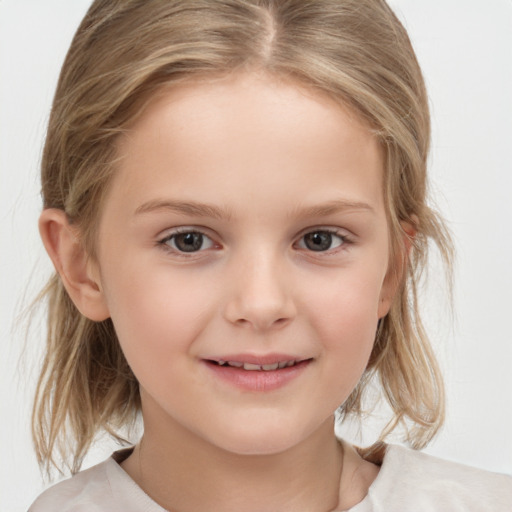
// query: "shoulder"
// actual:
[[105, 487], [411, 478], [87, 490]]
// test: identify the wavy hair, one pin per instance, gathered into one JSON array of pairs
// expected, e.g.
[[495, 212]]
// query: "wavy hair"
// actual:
[[124, 51]]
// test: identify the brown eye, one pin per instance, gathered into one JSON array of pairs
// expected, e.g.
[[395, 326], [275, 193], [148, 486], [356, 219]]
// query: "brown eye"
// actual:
[[188, 241], [322, 241]]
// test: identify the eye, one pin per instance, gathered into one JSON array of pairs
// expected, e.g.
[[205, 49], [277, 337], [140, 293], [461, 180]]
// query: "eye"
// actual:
[[187, 241], [322, 240]]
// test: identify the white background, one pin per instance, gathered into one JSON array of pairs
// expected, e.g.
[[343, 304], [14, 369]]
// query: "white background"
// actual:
[[465, 49]]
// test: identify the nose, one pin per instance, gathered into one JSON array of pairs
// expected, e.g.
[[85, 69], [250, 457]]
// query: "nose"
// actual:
[[261, 297]]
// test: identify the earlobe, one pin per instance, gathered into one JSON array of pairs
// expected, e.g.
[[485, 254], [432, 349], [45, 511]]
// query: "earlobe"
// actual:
[[396, 273], [386, 299], [410, 229], [71, 261]]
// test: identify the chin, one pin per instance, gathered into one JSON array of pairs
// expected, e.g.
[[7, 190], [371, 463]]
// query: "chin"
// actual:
[[261, 445], [260, 437]]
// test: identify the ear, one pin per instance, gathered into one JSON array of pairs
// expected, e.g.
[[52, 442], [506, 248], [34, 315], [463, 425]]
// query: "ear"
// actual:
[[398, 267], [79, 276]]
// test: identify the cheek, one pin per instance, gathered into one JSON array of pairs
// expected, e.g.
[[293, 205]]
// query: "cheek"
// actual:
[[344, 315], [345, 307], [157, 314]]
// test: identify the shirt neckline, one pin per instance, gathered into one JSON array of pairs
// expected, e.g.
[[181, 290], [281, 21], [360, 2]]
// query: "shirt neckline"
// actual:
[[119, 479]]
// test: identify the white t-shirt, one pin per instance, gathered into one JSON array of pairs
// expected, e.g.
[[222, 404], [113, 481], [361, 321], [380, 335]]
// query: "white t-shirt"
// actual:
[[408, 481]]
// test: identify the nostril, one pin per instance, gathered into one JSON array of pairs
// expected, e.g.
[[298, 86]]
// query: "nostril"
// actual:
[[281, 322]]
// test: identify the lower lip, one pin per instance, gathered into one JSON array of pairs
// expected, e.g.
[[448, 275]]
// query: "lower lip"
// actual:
[[258, 380]]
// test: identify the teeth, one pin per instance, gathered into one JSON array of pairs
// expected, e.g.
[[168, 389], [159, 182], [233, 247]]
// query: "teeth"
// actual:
[[257, 367], [249, 366]]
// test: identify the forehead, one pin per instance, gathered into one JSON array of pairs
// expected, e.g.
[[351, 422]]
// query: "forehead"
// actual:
[[248, 136]]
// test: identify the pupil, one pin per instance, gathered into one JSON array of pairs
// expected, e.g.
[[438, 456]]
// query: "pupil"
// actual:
[[189, 242], [318, 241]]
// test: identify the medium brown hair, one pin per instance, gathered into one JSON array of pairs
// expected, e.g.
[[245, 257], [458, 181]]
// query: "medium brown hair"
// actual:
[[124, 51]]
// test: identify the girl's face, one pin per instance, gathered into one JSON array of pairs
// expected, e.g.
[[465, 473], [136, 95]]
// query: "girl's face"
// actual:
[[246, 224]]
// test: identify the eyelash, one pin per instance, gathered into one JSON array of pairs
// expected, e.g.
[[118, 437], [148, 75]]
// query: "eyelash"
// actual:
[[180, 231], [163, 243]]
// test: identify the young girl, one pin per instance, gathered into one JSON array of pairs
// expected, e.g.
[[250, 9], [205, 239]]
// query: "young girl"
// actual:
[[235, 204]]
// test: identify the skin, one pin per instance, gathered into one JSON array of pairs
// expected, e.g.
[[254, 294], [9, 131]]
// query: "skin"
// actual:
[[263, 151]]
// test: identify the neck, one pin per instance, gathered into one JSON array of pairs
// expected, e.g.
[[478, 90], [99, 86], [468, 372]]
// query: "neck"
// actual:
[[183, 473]]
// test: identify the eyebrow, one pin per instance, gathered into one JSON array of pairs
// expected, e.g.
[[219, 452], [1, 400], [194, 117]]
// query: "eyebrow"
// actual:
[[332, 207], [196, 209], [185, 207]]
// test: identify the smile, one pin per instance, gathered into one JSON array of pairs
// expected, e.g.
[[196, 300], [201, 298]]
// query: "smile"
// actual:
[[259, 374], [257, 367]]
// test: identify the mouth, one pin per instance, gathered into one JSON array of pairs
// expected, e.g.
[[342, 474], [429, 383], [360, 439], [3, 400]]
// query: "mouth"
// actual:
[[278, 365], [258, 373]]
